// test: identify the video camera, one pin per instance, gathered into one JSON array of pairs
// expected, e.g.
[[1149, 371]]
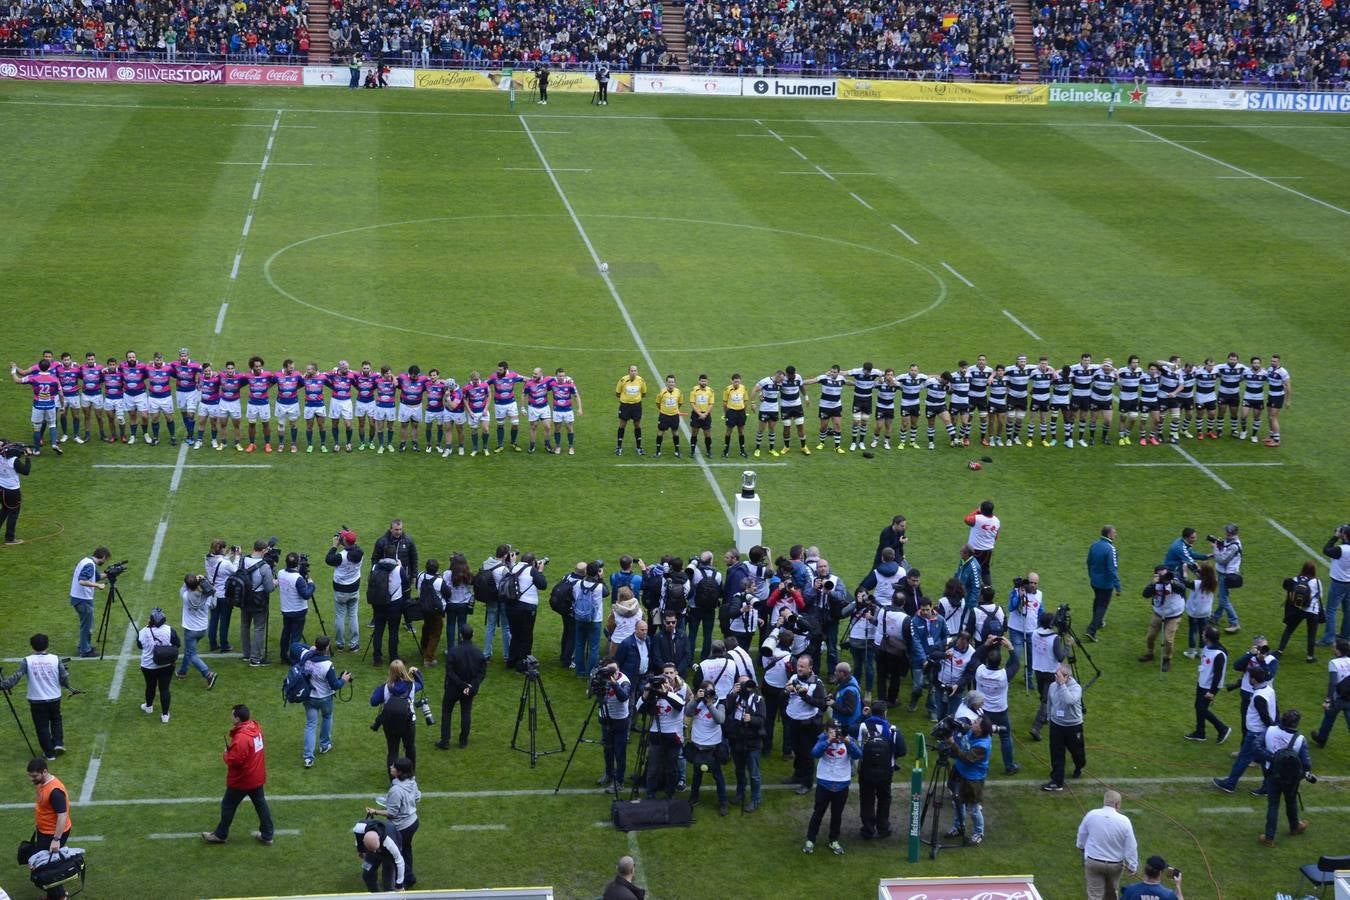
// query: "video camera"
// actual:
[[1019, 583], [1062, 621], [528, 666], [113, 571], [272, 556], [947, 727], [302, 566], [600, 677], [13, 449]]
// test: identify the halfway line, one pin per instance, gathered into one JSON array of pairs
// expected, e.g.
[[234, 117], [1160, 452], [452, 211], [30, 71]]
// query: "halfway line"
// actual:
[[189, 466], [1201, 466], [964, 279], [861, 200], [905, 234], [618, 301], [1293, 537], [1016, 321], [220, 316], [711, 465]]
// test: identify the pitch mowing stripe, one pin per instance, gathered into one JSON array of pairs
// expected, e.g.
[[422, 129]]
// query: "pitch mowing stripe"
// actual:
[[623, 307]]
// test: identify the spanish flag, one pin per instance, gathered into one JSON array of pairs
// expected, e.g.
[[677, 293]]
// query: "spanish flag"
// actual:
[[948, 20]]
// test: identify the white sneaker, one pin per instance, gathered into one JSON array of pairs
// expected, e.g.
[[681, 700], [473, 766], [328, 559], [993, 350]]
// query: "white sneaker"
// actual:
[[164, 718], [147, 708], [132, 439], [852, 446], [1069, 443], [78, 439], [64, 438], [461, 451], [887, 445], [874, 442], [445, 453], [1242, 435]]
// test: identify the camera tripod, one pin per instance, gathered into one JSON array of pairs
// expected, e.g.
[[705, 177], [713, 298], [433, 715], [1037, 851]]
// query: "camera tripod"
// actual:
[[102, 634], [17, 721], [933, 801], [530, 693], [402, 623], [596, 704], [1071, 657], [644, 744]]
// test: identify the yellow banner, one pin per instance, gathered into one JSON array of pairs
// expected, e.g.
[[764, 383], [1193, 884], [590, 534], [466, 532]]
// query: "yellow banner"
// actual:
[[944, 92], [573, 82], [456, 80]]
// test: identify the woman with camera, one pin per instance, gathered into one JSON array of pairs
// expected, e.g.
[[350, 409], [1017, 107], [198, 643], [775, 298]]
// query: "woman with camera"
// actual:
[[862, 637], [745, 732], [222, 561], [1302, 605], [400, 808], [834, 753], [396, 699], [159, 649], [623, 618], [460, 602], [199, 601], [706, 750], [1199, 604]]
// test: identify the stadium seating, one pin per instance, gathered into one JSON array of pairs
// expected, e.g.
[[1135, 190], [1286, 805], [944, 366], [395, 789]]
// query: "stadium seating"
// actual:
[[967, 38], [1302, 41], [189, 31]]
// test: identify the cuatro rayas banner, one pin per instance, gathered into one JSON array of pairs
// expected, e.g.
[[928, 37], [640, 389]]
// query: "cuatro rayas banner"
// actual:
[[944, 92]]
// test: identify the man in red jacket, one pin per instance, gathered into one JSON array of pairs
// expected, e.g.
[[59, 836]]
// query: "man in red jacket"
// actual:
[[246, 764]]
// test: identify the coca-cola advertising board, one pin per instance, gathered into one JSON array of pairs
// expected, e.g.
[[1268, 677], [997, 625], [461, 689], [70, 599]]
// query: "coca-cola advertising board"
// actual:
[[276, 75]]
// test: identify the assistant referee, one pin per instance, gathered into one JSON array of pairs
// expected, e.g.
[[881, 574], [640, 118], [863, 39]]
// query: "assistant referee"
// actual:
[[630, 390]]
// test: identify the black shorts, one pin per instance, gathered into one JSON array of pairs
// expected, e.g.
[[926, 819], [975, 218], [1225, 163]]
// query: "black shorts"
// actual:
[[1275, 402], [1257, 405], [997, 408], [959, 409], [735, 418], [700, 421], [862, 406], [1081, 404], [1040, 405], [1017, 402], [1169, 403], [885, 413], [791, 413], [1131, 405], [1228, 399], [1148, 406], [768, 415], [1099, 405], [980, 403], [910, 409], [666, 422], [829, 412], [630, 412], [1210, 405], [1186, 402], [1059, 407]]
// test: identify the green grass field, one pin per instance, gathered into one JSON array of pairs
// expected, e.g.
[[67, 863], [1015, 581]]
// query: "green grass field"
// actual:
[[422, 227]]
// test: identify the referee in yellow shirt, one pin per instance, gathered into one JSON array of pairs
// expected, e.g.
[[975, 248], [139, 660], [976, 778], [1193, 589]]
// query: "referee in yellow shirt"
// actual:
[[630, 390], [735, 398], [701, 400], [668, 403]]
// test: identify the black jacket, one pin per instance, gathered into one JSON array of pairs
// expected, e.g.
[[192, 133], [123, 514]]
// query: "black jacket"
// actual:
[[662, 649], [623, 889], [405, 551], [890, 539], [465, 666]]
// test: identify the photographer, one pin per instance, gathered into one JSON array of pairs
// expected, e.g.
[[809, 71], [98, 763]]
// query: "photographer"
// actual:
[[834, 752], [458, 582], [624, 615], [46, 675], [1048, 650], [522, 604], [1287, 765], [400, 810], [951, 606], [775, 660], [324, 682], [1200, 592], [825, 597], [1258, 657], [971, 750], [705, 589], [744, 728], [1228, 562], [1167, 593], [381, 859], [1065, 701], [465, 669], [384, 593], [740, 615], [1025, 602], [405, 551], [1337, 701], [952, 667], [199, 600], [83, 583], [882, 744], [1213, 668], [1302, 606], [222, 561], [806, 699], [1259, 715], [987, 619], [884, 577], [991, 677], [846, 706], [927, 639], [1151, 888], [159, 645], [704, 750], [614, 690], [862, 640], [669, 646], [431, 592], [890, 647], [256, 572], [1337, 549], [345, 558], [14, 461], [602, 99], [294, 587], [663, 699], [396, 699], [720, 670], [588, 606]]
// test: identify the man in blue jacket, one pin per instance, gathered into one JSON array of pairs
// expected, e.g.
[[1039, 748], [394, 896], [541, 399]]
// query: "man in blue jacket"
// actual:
[[1104, 575], [968, 573], [324, 682], [1179, 553], [927, 635]]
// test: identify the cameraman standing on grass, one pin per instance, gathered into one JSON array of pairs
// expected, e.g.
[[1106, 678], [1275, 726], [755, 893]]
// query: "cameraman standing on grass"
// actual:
[[805, 699], [83, 583], [1228, 561], [834, 752], [1065, 700], [1167, 593], [324, 682], [664, 702], [613, 689], [1338, 597], [971, 750], [257, 573], [46, 674], [14, 461], [222, 561], [199, 600], [295, 587], [522, 604], [345, 558]]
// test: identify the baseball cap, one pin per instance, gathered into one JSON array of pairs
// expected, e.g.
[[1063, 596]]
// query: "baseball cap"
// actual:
[[1230, 528], [348, 536], [1156, 863]]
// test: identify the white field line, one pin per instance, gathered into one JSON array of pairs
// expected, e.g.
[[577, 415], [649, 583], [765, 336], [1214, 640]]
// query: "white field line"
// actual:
[[517, 131], [859, 199], [477, 827], [1202, 467], [1018, 322], [1218, 162], [639, 870], [254, 164], [1213, 465], [188, 466], [905, 234], [1315, 557], [775, 134], [1148, 141], [248, 215], [964, 280], [220, 316], [711, 465], [800, 154], [538, 168], [89, 838], [265, 125], [185, 835], [1258, 178], [823, 172], [91, 778], [120, 672], [623, 307]]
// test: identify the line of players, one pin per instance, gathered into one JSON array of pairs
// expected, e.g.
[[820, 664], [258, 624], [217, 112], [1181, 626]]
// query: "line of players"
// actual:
[[1167, 399], [129, 398]]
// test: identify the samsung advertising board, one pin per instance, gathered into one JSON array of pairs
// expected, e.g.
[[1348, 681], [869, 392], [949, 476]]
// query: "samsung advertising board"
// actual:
[[1298, 101]]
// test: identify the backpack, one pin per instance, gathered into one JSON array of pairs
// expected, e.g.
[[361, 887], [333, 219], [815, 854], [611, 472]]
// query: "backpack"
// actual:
[[1300, 595], [560, 598], [296, 687], [397, 715], [428, 598], [1286, 767], [240, 592], [651, 588], [377, 586], [878, 755], [584, 606], [485, 585], [677, 593], [508, 589], [707, 593]]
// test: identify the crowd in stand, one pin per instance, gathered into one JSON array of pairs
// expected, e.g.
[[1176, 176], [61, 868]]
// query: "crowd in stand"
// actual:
[[624, 34], [1304, 41], [190, 30], [971, 38]]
